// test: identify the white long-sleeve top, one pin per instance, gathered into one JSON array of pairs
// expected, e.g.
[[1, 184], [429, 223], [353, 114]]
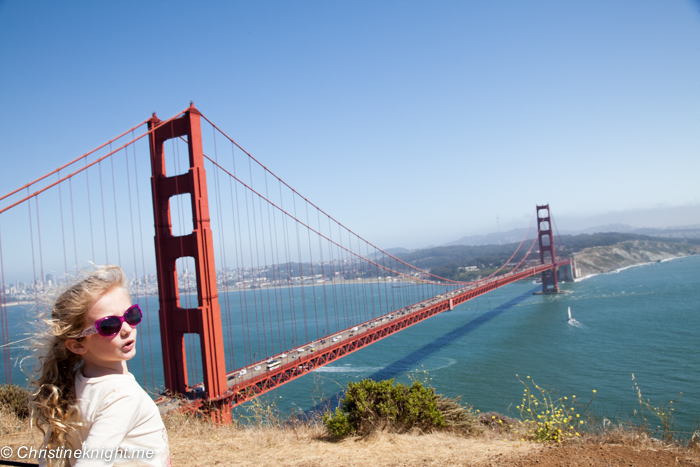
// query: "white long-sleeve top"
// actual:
[[117, 414]]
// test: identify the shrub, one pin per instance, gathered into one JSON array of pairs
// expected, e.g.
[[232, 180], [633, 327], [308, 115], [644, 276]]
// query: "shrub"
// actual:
[[369, 405], [457, 417], [15, 399]]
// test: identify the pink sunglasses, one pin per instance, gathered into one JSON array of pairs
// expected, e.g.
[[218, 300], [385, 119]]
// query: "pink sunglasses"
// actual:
[[111, 325]]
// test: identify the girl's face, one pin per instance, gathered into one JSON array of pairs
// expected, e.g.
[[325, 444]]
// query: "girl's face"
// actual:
[[106, 355]]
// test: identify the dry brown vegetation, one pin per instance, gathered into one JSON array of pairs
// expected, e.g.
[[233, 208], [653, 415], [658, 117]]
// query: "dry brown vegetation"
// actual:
[[195, 442]]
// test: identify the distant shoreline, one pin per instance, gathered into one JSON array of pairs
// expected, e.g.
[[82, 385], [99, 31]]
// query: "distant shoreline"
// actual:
[[247, 289], [625, 255], [590, 262]]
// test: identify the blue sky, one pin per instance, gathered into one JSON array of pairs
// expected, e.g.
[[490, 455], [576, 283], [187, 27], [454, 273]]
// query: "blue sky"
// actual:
[[413, 123]]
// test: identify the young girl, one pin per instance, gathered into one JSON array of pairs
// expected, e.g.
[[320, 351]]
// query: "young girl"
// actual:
[[85, 397]]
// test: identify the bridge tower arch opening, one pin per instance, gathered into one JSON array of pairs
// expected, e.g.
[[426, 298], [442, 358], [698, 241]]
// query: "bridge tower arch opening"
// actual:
[[204, 320], [550, 284]]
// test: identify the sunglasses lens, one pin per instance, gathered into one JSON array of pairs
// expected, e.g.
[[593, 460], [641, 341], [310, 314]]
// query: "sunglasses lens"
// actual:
[[109, 326], [133, 315]]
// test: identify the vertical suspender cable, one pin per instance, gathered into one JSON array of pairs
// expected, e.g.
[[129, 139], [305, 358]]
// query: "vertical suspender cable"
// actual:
[[313, 277], [288, 262], [72, 216], [243, 293], [301, 273], [236, 232], [323, 273], [267, 276], [31, 237], [133, 249], [92, 234], [386, 291], [63, 230], [116, 214], [381, 275], [348, 288], [370, 286], [41, 256], [222, 246], [104, 212], [236, 236], [4, 328], [256, 265], [274, 248], [143, 261], [363, 289], [252, 273], [334, 283], [355, 297]]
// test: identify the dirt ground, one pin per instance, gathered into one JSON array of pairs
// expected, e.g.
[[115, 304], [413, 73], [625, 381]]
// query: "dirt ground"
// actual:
[[608, 455], [573, 456]]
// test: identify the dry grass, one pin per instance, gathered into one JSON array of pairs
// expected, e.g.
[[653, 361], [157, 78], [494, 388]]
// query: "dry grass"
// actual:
[[15, 432], [10, 423], [630, 435], [195, 443]]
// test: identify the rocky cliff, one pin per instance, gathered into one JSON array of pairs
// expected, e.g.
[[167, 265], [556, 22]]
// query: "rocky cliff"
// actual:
[[609, 258]]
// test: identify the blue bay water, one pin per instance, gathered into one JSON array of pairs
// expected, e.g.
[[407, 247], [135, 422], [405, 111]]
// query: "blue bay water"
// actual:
[[643, 320]]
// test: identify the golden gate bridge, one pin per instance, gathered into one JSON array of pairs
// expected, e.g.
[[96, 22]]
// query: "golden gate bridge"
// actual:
[[294, 290]]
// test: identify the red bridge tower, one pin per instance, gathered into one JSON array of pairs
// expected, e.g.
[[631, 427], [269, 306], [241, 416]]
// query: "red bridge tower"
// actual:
[[547, 255], [176, 321]]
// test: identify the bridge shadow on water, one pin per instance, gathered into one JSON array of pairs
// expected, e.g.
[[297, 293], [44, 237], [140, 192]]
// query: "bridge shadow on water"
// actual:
[[409, 362]]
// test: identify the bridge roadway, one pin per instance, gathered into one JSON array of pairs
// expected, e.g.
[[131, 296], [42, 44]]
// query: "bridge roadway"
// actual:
[[246, 383]]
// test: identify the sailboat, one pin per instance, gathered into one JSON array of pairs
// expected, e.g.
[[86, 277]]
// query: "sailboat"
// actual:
[[570, 320]]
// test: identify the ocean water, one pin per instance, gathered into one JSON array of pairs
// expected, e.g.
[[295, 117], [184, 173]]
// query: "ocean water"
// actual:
[[643, 320]]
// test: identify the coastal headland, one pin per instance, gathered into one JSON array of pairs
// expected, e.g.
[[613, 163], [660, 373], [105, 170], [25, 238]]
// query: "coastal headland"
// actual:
[[605, 259]]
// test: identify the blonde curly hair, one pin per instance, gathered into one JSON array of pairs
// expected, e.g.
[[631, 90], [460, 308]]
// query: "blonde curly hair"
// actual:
[[52, 402]]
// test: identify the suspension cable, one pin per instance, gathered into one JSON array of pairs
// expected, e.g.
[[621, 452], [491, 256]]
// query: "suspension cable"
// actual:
[[312, 204], [358, 256], [97, 161], [70, 163], [513, 255]]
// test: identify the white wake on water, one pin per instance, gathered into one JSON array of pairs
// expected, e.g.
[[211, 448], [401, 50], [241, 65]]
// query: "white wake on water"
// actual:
[[449, 362], [438, 364], [348, 369]]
